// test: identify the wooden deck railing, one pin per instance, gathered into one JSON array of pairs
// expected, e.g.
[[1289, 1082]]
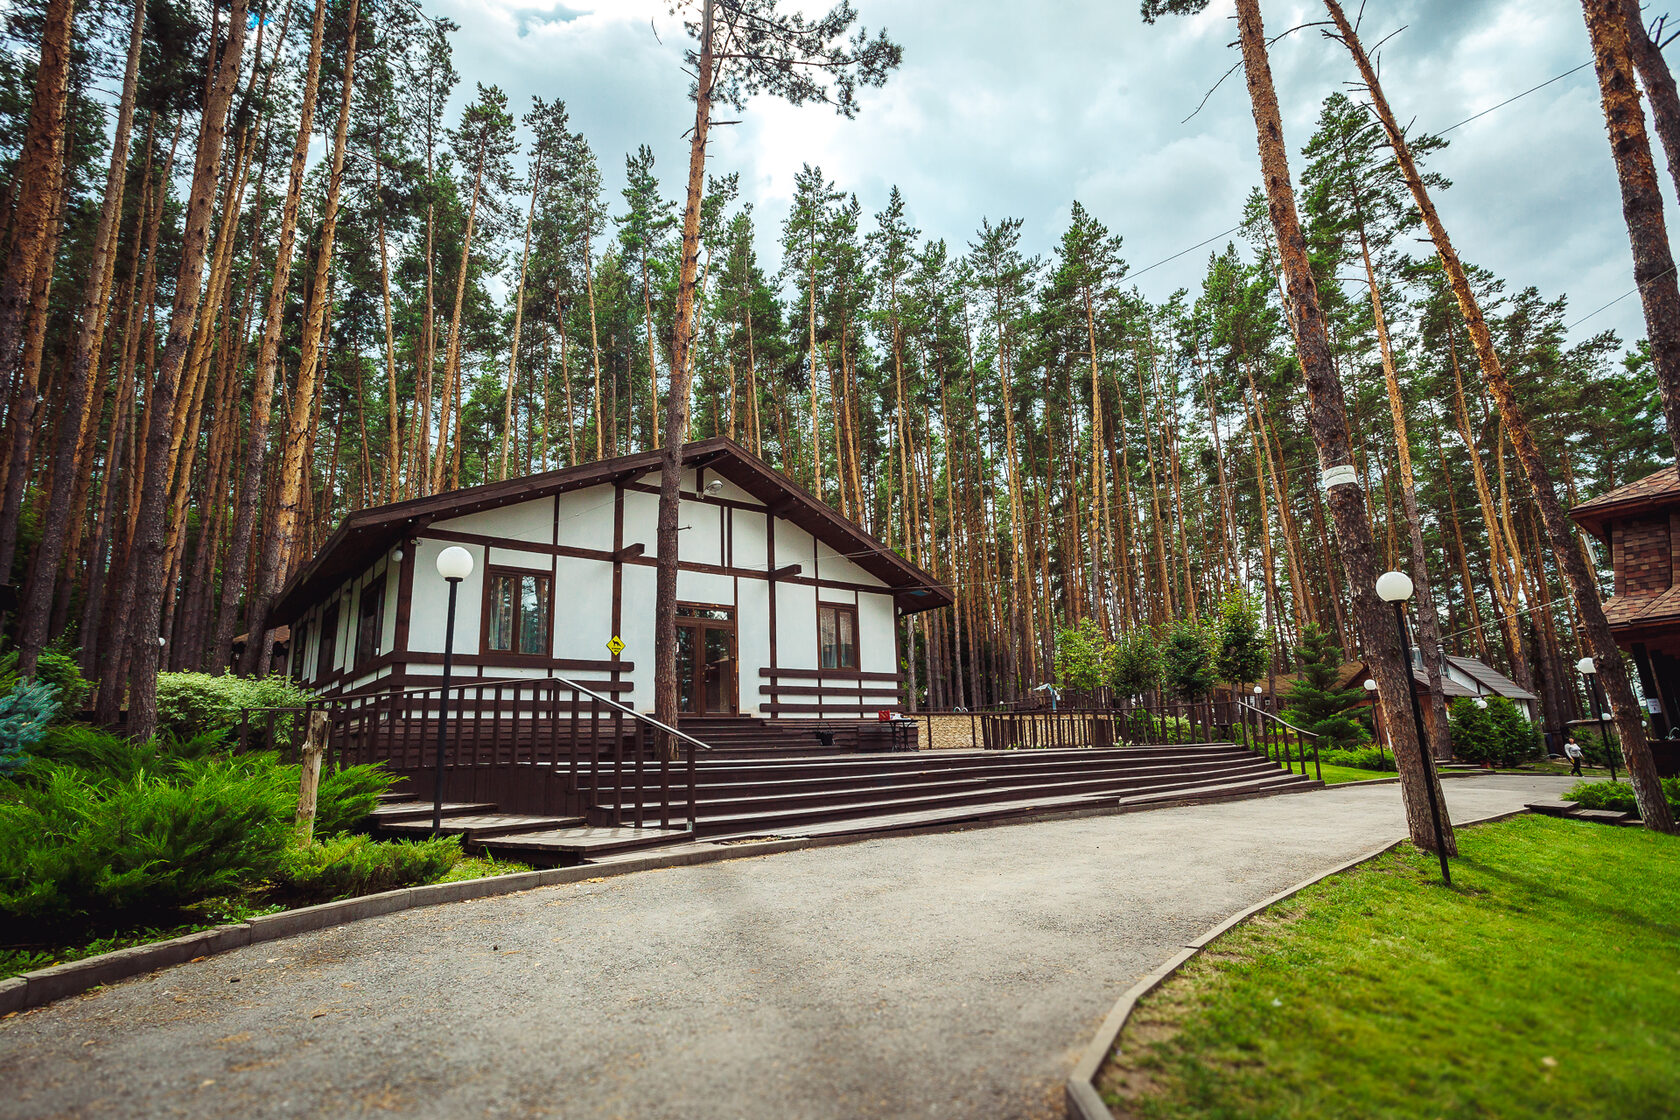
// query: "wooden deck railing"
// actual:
[[608, 759]]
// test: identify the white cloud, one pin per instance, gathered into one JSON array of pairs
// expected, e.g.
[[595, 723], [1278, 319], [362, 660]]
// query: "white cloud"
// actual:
[[1006, 109]]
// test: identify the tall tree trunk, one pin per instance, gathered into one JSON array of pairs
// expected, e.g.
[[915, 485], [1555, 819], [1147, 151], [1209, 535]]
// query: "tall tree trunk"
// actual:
[[280, 536], [1327, 417], [676, 400], [37, 177], [153, 507], [262, 391], [1612, 670], [1642, 204], [519, 316], [78, 386], [1429, 623]]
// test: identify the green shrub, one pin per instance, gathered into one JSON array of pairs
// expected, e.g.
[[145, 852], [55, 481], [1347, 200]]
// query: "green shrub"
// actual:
[[24, 714], [1141, 727], [1498, 734], [1187, 659], [1618, 796], [192, 704], [77, 854], [1360, 758], [347, 797], [1314, 702], [1134, 663], [1082, 655], [61, 669], [352, 865]]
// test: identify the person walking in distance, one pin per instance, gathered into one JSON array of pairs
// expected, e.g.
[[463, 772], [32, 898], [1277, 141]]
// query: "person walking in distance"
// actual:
[[1573, 750]]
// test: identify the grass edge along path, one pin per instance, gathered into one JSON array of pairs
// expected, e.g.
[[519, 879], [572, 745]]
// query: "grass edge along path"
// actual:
[[1542, 985]]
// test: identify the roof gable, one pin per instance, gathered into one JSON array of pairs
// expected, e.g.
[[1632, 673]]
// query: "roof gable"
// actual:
[[1656, 491], [364, 534]]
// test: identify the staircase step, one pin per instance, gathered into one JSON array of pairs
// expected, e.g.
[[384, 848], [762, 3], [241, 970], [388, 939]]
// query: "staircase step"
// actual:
[[395, 811], [475, 827], [576, 843]]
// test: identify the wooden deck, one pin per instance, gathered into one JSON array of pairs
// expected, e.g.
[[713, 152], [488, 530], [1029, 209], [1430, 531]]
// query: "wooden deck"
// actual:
[[800, 791]]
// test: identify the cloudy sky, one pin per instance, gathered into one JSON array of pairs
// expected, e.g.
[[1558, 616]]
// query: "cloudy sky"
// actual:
[[1016, 109]]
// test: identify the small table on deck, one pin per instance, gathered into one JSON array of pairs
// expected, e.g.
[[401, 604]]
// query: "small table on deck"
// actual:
[[903, 731]]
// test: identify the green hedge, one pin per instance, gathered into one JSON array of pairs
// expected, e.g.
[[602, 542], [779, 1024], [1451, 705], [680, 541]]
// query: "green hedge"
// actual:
[[98, 833], [352, 865], [1618, 796], [1369, 758], [192, 704], [1499, 733]]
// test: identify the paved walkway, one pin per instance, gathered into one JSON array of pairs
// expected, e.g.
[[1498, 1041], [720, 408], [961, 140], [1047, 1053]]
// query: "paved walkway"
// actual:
[[954, 975]]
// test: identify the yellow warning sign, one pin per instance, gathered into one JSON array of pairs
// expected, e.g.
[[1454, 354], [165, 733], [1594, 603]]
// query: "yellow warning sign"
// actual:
[[616, 645]]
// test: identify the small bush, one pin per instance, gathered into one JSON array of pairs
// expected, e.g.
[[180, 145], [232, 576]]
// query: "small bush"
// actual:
[[77, 854], [60, 669], [1618, 796], [347, 797], [1498, 734], [192, 704], [24, 714], [352, 865], [1367, 758]]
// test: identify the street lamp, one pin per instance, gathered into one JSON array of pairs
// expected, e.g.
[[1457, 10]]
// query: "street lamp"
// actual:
[[1376, 716], [1396, 588], [1589, 669], [454, 564]]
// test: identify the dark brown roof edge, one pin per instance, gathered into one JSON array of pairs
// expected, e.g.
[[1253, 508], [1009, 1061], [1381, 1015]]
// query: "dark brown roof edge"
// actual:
[[376, 528]]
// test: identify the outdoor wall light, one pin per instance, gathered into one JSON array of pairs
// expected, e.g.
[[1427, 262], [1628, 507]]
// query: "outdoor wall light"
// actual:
[[714, 487], [1480, 703]]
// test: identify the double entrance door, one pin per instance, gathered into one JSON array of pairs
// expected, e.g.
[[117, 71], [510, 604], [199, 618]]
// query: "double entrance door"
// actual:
[[706, 668]]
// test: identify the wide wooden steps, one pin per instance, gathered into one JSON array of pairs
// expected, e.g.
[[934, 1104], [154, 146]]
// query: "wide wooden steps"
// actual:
[[778, 794], [785, 793]]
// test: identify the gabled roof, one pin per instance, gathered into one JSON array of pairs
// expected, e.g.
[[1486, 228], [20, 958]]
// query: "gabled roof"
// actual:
[[1657, 491], [365, 534], [1491, 679]]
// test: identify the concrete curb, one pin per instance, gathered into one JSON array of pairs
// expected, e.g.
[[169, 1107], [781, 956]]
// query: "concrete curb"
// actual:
[[1083, 1100], [33, 989]]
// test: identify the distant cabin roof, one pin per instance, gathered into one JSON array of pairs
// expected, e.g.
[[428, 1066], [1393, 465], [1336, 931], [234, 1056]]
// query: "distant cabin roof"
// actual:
[[1491, 679], [1656, 491], [365, 534]]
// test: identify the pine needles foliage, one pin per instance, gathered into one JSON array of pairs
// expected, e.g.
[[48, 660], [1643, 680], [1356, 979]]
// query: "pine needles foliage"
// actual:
[[1315, 703]]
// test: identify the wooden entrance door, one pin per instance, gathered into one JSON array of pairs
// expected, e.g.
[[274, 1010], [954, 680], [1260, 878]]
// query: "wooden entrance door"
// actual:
[[706, 667]]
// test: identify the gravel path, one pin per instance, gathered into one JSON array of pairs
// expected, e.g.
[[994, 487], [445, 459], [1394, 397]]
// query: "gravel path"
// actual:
[[951, 975]]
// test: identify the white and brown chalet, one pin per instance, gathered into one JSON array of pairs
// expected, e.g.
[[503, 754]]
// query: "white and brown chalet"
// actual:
[[786, 608]]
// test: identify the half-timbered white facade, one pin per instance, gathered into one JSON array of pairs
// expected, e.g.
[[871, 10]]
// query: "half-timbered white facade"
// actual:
[[786, 609]]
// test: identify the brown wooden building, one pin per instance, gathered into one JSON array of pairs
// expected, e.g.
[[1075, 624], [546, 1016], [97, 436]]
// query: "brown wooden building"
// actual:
[[1639, 525]]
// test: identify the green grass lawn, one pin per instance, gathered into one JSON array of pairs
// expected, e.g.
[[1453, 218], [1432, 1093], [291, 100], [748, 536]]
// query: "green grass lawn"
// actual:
[[1544, 984], [1335, 775]]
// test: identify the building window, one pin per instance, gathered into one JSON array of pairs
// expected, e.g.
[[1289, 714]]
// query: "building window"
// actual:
[[326, 653], [516, 613], [294, 651], [837, 636], [370, 621]]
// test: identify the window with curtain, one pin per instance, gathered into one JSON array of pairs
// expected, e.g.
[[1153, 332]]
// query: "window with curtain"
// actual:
[[517, 613], [837, 636]]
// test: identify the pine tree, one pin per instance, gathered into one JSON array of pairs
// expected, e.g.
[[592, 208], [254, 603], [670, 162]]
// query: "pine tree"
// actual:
[[1315, 703]]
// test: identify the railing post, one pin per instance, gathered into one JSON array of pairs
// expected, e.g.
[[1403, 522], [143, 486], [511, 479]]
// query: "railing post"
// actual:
[[618, 768]]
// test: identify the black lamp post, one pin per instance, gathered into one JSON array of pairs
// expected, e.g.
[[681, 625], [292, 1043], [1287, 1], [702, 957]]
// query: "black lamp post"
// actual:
[[454, 564], [1376, 717], [1588, 668], [1396, 588]]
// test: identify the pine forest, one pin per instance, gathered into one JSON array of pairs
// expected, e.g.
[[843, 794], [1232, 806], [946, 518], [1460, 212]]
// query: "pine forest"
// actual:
[[261, 272]]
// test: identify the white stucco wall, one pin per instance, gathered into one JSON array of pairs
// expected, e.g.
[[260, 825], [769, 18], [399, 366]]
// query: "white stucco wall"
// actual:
[[582, 589]]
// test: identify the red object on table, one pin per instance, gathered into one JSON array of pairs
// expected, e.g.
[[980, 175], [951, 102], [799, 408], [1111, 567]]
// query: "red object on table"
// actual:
[[884, 714]]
